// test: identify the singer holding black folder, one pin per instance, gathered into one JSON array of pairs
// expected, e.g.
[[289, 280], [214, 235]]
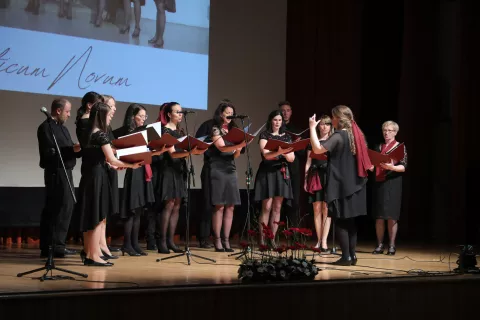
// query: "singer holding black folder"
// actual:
[[273, 182], [59, 203], [224, 192]]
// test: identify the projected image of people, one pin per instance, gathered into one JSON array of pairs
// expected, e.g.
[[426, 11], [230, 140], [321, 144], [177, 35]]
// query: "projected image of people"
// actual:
[[179, 25]]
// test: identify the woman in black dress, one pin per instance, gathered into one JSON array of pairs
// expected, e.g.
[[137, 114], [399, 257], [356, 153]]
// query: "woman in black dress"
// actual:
[[162, 6], [137, 11], [387, 190], [83, 135], [348, 163], [94, 191], [223, 176], [319, 167], [137, 185], [172, 179], [272, 182]]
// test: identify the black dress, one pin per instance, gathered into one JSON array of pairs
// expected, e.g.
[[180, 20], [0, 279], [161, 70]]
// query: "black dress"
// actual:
[[318, 167], [346, 191], [113, 177], [137, 192], [387, 195], [172, 175], [270, 181], [223, 174], [94, 201]]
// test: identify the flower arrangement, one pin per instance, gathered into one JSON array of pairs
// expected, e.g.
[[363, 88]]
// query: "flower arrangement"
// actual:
[[286, 262]]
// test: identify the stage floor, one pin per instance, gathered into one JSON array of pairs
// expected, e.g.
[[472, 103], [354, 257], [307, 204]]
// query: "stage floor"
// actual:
[[146, 272]]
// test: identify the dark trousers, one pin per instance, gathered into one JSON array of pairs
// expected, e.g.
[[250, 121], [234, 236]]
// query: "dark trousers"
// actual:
[[57, 213], [205, 225]]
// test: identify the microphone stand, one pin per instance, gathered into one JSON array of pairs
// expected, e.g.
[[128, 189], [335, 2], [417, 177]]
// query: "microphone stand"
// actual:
[[50, 264], [191, 175], [248, 180]]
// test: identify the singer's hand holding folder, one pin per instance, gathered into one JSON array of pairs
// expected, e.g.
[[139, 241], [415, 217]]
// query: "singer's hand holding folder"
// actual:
[[135, 139], [273, 145], [237, 136], [135, 154], [396, 155]]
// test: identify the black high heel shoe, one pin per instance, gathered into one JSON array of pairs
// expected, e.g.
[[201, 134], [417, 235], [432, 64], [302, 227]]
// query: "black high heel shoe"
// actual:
[[225, 247], [125, 29], [343, 262], [354, 259], [130, 252], [108, 257], [391, 251], [173, 247], [83, 255], [92, 263], [140, 251], [379, 249]]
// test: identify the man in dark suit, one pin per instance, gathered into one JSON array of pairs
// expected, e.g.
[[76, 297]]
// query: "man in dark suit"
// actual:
[[59, 203]]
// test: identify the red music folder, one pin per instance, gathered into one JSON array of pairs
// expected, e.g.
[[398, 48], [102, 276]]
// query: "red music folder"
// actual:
[[194, 142], [135, 154], [322, 156], [236, 135], [396, 155], [273, 145], [135, 139], [165, 140], [295, 136]]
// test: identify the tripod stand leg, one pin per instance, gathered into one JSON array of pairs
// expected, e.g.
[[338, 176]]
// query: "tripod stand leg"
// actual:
[[31, 271], [72, 272], [171, 257], [200, 257]]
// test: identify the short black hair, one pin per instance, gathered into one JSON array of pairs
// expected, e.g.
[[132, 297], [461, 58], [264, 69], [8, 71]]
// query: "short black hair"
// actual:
[[58, 104], [284, 103]]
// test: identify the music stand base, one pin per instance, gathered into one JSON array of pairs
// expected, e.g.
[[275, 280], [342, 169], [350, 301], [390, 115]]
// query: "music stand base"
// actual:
[[187, 253], [49, 267]]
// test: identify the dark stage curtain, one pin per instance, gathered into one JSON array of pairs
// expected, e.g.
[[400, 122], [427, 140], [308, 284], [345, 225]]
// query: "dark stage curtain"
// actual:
[[414, 62]]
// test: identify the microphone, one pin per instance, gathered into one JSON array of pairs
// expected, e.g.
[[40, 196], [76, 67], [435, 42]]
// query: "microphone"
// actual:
[[185, 112], [237, 116], [45, 112]]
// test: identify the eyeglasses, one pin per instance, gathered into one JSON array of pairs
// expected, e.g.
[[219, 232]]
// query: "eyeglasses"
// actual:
[[145, 117], [389, 131]]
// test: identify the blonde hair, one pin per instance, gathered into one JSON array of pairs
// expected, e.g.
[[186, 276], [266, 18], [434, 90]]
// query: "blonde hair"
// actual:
[[391, 123], [345, 117], [325, 120]]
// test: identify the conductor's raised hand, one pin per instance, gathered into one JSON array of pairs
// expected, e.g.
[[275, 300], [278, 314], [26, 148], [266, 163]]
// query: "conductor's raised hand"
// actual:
[[312, 121]]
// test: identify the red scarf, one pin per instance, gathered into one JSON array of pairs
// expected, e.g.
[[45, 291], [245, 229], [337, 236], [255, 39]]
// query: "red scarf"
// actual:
[[380, 173], [363, 160]]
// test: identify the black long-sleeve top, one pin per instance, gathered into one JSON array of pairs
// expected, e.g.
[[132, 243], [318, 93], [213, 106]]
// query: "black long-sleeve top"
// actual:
[[49, 158]]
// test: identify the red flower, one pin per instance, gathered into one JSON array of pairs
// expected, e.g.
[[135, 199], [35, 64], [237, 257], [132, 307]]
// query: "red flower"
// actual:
[[281, 249], [300, 246], [305, 232], [287, 233], [294, 229], [263, 247], [315, 249], [244, 244], [280, 223], [251, 232], [265, 226]]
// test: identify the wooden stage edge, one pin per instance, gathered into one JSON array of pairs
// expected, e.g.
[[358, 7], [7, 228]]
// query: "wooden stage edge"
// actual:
[[417, 283], [411, 263]]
